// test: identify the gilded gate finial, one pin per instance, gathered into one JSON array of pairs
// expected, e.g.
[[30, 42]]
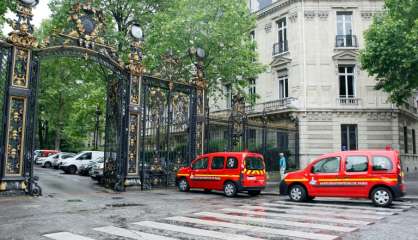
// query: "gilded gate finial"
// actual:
[[22, 34]]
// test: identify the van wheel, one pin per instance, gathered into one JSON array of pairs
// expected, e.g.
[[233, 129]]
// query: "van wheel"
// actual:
[[183, 185], [382, 197], [72, 169], [297, 193], [254, 192], [230, 189]]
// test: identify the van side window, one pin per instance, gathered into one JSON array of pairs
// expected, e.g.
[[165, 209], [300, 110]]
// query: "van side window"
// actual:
[[356, 164], [231, 163], [200, 164], [327, 165], [218, 162], [381, 163]]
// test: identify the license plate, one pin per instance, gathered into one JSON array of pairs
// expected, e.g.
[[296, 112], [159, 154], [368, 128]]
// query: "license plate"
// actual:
[[251, 178]]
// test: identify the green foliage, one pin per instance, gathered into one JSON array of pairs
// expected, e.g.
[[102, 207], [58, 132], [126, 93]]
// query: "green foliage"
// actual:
[[70, 90], [391, 53], [220, 27]]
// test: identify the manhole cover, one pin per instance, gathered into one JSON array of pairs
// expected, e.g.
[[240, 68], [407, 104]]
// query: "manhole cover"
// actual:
[[74, 200]]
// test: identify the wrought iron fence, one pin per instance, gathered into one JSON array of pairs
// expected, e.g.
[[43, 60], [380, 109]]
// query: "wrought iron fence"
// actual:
[[257, 137]]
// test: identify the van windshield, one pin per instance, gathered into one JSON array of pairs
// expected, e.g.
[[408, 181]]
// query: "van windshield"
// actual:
[[254, 163]]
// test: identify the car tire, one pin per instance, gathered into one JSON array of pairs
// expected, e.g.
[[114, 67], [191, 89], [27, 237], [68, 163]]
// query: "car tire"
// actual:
[[47, 165], [230, 189], [72, 169], [183, 185], [382, 197], [297, 193], [254, 193]]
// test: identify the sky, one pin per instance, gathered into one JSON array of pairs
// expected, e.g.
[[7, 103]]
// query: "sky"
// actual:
[[40, 12]]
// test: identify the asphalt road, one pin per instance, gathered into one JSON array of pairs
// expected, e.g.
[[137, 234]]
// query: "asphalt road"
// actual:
[[76, 205]]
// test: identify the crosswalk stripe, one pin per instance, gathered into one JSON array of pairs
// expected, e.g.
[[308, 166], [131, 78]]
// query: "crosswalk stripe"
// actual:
[[277, 222], [265, 230], [297, 216], [66, 236], [342, 206], [329, 208], [194, 231], [122, 232], [313, 212]]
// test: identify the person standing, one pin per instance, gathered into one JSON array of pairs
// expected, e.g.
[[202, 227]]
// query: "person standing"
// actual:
[[282, 165]]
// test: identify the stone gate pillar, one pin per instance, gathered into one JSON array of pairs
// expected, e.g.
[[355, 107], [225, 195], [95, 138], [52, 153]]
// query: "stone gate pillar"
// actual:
[[19, 100]]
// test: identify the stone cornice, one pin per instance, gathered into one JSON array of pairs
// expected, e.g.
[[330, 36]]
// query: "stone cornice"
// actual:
[[274, 7]]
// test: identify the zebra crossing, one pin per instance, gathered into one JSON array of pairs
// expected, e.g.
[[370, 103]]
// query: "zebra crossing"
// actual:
[[269, 220]]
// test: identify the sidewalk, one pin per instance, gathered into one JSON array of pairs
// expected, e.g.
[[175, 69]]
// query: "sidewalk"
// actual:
[[411, 182]]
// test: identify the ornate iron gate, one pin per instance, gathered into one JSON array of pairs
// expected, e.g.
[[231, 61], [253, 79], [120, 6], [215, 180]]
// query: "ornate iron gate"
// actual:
[[168, 130], [150, 122]]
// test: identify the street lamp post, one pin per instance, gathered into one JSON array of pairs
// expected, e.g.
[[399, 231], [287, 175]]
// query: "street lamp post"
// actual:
[[203, 108]]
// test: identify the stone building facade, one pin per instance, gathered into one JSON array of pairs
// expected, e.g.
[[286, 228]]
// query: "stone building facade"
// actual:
[[315, 82]]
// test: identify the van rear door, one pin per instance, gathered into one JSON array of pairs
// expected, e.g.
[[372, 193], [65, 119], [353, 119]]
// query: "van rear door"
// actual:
[[254, 172]]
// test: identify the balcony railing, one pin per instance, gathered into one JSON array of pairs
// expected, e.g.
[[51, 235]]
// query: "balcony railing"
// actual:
[[280, 47], [270, 106], [348, 100], [342, 41], [410, 108]]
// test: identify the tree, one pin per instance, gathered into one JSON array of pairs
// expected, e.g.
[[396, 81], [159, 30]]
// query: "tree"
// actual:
[[4, 6], [392, 49], [222, 28]]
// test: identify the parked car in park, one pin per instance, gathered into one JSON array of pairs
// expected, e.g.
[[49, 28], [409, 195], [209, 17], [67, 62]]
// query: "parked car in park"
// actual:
[[58, 158], [84, 169], [43, 153], [73, 164], [230, 172], [96, 171], [373, 174]]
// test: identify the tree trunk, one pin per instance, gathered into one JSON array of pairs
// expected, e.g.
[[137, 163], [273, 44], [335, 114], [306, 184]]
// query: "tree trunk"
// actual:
[[60, 123]]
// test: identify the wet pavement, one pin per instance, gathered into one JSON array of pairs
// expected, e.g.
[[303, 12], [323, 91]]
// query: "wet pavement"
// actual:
[[76, 208]]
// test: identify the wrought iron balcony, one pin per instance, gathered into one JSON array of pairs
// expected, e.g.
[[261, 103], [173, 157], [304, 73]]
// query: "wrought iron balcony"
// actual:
[[343, 41], [280, 47], [348, 100]]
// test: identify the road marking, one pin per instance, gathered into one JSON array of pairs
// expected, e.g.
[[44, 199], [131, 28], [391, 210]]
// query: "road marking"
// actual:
[[281, 232], [277, 222], [357, 211], [302, 217], [194, 231], [122, 232], [313, 212], [343, 206], [66, 236]]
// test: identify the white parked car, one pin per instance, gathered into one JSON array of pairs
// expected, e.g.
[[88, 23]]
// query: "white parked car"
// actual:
[[73, 164], [58, 158]]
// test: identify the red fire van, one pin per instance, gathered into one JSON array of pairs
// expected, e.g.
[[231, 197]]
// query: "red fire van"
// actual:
[[230, 172], [373, 174]]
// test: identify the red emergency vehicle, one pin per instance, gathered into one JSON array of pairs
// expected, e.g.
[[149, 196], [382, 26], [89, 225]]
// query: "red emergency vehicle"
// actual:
[[230, 172], [373, 174]]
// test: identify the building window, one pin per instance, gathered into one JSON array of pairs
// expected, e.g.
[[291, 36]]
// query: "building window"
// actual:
[[228, 96], [281, 45], [347, 84], [405, 139], [283, 85], [345, 37], [252, 90], [263, 3], [414, 144], [348, 137]]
